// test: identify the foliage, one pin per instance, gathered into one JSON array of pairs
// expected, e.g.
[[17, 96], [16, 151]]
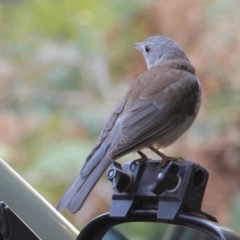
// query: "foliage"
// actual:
[[64, 65]]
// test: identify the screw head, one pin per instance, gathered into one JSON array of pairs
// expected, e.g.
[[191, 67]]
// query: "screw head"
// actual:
[[160, 175], [111, 173]]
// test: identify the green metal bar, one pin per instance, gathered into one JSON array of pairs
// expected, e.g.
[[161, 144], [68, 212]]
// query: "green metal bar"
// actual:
[[32, 208]]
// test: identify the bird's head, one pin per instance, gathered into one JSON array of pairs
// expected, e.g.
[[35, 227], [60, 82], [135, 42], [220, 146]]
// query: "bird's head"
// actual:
[[157, 49]]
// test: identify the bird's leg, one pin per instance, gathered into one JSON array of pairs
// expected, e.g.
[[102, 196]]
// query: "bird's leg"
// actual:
[[165, 158], [142, 155], [143, 158]]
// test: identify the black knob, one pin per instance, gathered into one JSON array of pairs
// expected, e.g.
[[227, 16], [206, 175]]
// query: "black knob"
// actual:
[[166, 178]]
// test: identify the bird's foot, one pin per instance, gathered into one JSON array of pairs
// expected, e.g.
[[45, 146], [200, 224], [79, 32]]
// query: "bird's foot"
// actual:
[[164, 158], [143, 158]]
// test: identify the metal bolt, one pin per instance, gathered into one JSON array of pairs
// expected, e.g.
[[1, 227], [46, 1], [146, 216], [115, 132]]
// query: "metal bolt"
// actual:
[[160, 175], [111, 173]]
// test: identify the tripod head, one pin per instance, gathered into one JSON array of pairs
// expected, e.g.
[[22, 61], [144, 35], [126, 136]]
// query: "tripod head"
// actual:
[[144, 186]]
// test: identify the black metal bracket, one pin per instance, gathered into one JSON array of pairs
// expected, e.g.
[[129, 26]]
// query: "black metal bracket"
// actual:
[[176, 188], [12, 227]]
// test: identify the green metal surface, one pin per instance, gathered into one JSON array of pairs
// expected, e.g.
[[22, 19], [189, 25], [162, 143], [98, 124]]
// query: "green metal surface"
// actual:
[[32, 208]]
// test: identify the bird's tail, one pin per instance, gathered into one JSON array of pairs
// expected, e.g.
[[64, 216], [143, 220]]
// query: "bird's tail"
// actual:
[[94, 167]]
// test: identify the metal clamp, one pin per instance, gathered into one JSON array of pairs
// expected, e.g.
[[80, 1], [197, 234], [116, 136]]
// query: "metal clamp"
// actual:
[[176, 188]]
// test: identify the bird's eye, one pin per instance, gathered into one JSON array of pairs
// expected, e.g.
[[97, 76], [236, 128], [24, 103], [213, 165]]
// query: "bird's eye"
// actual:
[[147, 49]]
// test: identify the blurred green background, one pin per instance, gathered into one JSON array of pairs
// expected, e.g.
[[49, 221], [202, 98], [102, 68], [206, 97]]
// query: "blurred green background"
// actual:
[[64, 65]]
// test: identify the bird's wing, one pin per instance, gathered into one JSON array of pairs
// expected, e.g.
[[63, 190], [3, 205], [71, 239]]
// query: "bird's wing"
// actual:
[[158, 112]]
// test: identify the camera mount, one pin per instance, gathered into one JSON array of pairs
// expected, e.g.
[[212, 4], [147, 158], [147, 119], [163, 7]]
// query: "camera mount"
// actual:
[[143, 186]]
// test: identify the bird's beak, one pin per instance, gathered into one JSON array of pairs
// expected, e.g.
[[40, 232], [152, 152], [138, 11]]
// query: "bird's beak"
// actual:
[[138, 46]]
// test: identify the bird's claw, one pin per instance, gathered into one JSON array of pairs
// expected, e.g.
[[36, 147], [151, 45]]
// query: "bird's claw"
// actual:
[[167, 159], [143, 158]]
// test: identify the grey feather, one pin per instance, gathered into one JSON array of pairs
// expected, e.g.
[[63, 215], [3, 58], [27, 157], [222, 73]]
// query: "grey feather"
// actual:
[[76, 195]]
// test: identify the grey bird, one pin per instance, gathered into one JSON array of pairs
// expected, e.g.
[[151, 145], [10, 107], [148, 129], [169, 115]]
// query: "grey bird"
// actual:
[[159, 107]]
